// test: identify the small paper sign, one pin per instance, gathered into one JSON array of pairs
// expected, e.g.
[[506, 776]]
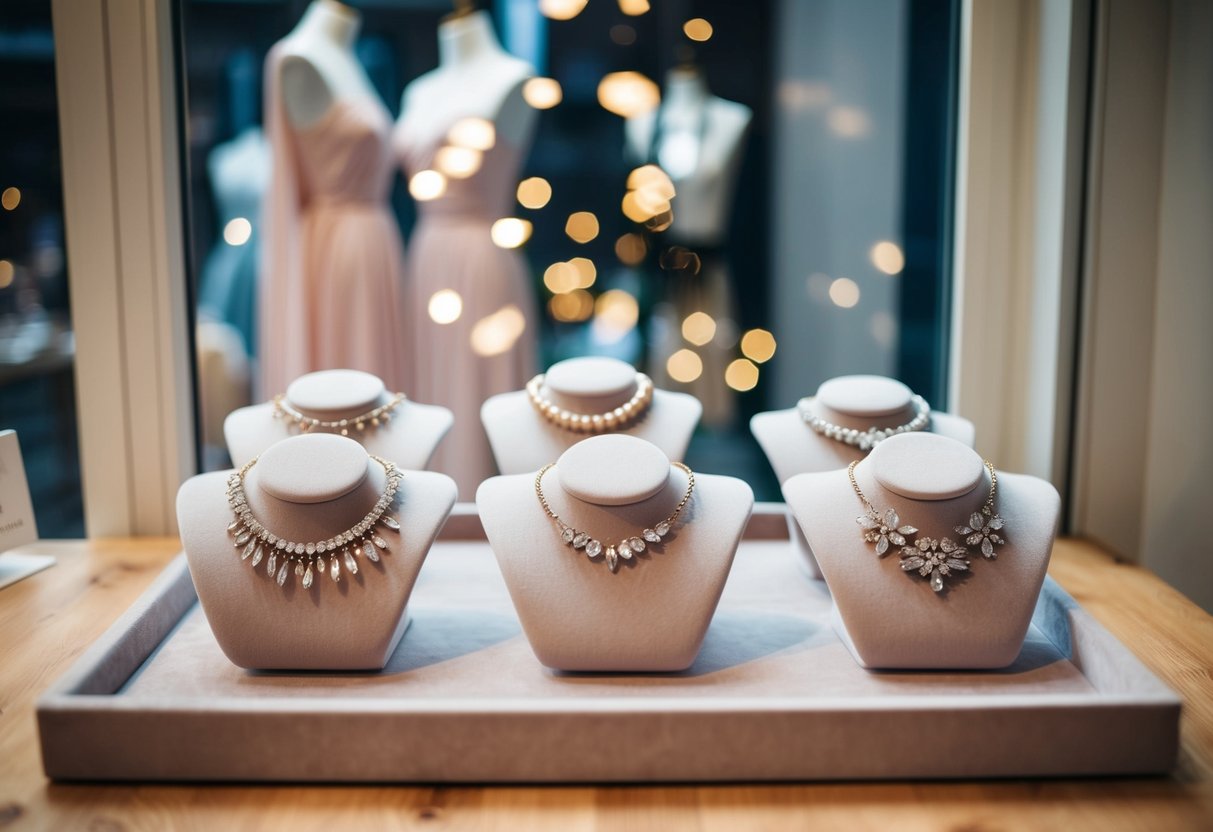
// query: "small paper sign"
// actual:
[[17, 525]]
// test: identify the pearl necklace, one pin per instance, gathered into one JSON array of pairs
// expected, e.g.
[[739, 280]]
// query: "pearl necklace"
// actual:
[[255, 540], [936, 559], [380, 415], [620, 418], [626, 547], [868, 439]]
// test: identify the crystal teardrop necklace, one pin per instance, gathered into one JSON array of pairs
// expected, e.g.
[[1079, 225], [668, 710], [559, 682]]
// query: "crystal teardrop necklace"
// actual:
[[864, 440], [928, 557], [309, 559], [619, 418], [375, 417], [628, 546]]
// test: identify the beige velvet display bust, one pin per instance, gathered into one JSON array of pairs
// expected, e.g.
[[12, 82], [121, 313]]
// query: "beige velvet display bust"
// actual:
[[310, 488], [890, 618], [859, 402], [408, 439], [522, 440], [653, 612]]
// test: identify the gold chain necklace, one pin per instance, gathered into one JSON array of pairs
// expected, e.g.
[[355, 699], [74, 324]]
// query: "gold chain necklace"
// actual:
[[626, 547], [375, 417], [931, 558]]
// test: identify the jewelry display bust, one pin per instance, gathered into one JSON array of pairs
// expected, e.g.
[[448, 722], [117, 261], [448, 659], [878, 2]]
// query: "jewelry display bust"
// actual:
[[853, 402], [408, 437], [889, 616], [311, 488], [650, 613], [523, 440]]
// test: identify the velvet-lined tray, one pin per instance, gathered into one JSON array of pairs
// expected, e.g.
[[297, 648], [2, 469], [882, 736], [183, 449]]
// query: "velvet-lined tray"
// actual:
[[774, 695]]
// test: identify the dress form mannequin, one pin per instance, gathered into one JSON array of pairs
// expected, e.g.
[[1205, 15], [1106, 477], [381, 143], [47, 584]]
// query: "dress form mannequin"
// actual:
[[697, 138], [522, 440], [408, 439], [477, 83], [331, 292], [892, 619], [310, 488], [650, 615], [859, 402]]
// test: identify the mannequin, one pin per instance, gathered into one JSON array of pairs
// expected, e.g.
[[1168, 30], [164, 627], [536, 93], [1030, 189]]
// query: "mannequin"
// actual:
[[697, 139], [859, 402], [331, 290], [522, 440], [409, 438], [308, 488], [476, 84], [890, 618], [652, 613]]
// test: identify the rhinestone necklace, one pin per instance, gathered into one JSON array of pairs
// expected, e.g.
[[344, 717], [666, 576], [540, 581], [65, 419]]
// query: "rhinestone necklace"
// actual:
[[619, 418], [256, 541], [868, 439], [380, 415], [931, 558], [626, 547]]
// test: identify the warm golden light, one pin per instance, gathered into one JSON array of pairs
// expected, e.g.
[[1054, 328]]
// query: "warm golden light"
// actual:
[[844, 292], [10, 198], [887, 257], [684, 366], [758, 345], [561, 9], [542, 93], [617, 310], [582, 226], [587, 272], [699, 328], [445, 306], [457, 162], [496, 333], [473, 133], [848, 122], [237, 231], [630, 249], [6, 273], [741, 375], [573, 306], [426, 185], [628, 94], [561, 277], [697, 29], [510, 232], [635, 8], [651, 178], [534, 192]]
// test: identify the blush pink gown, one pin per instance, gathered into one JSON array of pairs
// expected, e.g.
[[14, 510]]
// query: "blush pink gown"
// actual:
[[331, 284], [455, 365]]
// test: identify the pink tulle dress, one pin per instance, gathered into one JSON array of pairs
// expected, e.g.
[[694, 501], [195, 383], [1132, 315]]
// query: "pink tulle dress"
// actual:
[[331, 284], [490, 347]]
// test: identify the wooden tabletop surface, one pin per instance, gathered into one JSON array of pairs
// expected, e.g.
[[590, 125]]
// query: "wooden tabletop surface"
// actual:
[[49, 619]]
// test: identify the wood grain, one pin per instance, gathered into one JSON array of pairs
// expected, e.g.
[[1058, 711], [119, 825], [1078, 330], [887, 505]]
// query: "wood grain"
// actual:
[[49, 619]]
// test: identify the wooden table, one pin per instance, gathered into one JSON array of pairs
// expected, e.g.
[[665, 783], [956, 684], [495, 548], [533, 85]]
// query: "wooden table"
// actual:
[[49, 619]]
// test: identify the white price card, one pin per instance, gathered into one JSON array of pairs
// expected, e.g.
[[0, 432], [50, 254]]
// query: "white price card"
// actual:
[[17, 526]]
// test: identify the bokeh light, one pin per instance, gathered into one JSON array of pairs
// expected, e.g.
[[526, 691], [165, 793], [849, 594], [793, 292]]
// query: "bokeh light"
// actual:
[[888, 257], [844, 292], [616, 313], [697, 29], [582, 226], [758, 345], [561, 277], [699, 328], [426, 185], [628, 93], [496, 333], [631, 249], [561, 9], [741, 375], [510, 232], [534, 193], [474, 133], [237, 231], [10, 198], [6, 273], [684, 366], [587, 272], [445, 306], [848, 122], [457, 162], [542, 93], [572, 307], [634, 7]]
